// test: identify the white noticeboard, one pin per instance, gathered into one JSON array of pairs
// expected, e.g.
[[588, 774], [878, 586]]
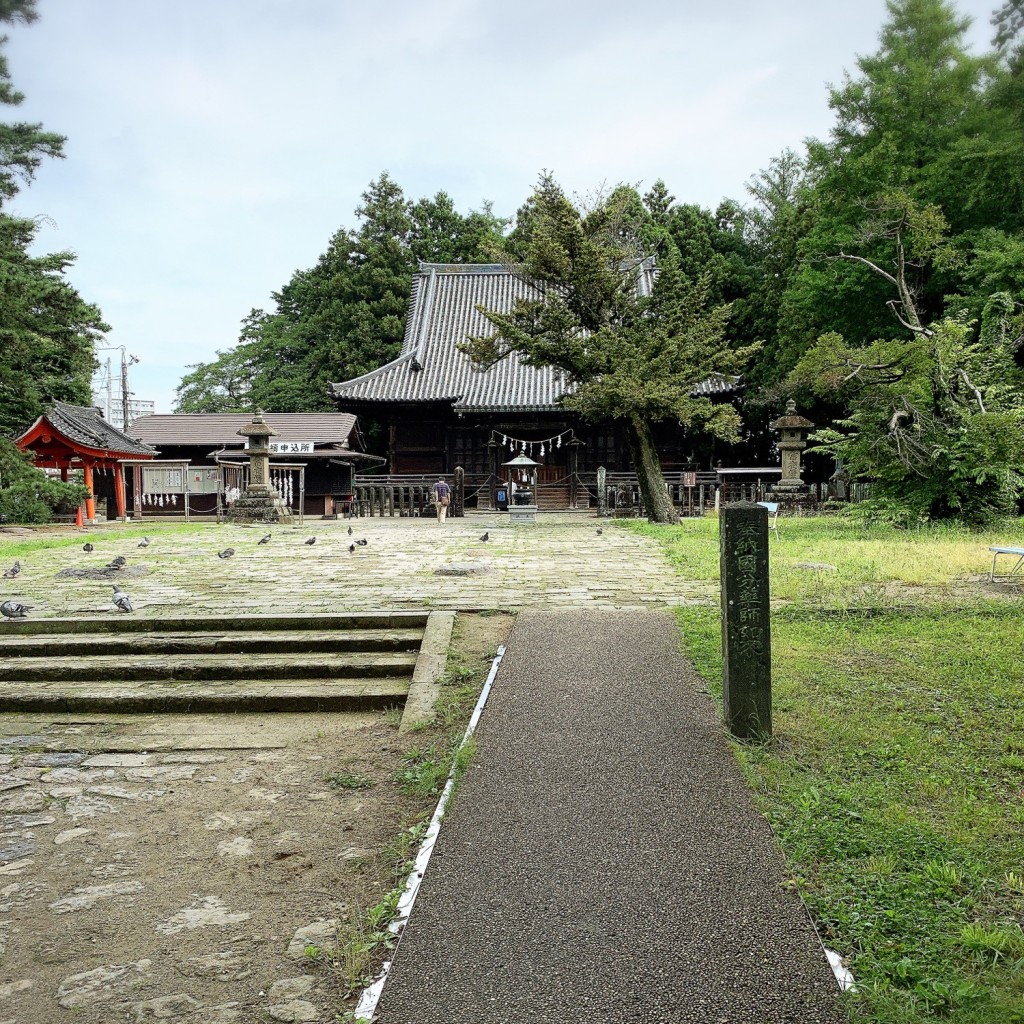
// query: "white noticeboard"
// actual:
[[291, 447]]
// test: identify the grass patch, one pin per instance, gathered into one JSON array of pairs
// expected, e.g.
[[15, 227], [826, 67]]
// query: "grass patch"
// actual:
[[119, 540], [348, 780], [871, 565], [895, 781]]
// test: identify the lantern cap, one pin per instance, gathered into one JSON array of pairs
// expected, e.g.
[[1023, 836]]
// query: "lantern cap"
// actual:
[[521, 462], [791, 421]]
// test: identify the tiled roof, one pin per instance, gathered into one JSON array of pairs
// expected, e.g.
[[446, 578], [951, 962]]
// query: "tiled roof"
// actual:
[[717, 384], [85, 425], [442, 314], [222, 428]]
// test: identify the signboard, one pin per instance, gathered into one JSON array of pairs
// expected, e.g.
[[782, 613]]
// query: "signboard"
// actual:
[[290, 447], [689, 479]]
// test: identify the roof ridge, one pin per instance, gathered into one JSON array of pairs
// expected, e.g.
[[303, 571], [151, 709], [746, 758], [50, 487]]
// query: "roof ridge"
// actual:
[[463, 268]]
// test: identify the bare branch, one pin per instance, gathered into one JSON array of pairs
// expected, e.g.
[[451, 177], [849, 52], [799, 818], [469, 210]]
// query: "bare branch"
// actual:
[[917, 328], [868, 263], [977, 393]]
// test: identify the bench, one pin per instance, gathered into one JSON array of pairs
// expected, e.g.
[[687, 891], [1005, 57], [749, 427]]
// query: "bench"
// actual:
[[1018, 566], [773, 515]]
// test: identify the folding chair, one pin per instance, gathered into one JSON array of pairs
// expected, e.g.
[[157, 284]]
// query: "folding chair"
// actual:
[[1018, 566]]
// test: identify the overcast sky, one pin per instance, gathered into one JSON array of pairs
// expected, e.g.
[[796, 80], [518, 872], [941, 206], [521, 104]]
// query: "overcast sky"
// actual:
[[214, 146]]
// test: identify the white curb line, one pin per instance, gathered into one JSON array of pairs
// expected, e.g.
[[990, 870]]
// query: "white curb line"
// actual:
[[367, 1005]]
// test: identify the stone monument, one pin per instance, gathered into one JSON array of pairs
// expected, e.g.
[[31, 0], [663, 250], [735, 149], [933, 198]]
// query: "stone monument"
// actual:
[[260, 503], [793, 431], [746, 630]]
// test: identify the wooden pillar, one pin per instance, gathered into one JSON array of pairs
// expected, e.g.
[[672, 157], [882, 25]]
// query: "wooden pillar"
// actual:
[[90, 500], [64, 474], [458, 509], [122, 510], [574, 465]]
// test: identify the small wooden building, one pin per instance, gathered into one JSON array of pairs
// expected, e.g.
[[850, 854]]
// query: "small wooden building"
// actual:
[[76, 437], [440, 412], [313, 461]]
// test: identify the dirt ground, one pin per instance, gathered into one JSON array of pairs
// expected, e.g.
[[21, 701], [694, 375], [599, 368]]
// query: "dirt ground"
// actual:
[[178, 867]]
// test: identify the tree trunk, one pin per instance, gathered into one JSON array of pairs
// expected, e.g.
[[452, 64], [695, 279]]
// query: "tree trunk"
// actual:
[[648, 472]]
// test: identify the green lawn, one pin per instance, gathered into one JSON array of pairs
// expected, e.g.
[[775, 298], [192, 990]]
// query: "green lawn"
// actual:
[[895, 782]]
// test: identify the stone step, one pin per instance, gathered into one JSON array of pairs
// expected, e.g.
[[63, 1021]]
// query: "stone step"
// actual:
[[281, 695], [219, 623], [209, 642], [220, 667]]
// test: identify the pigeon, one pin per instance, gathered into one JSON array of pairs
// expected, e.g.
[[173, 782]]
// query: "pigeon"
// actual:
[[88, 548], [144, 543], [351, 548], [14, 610], [13, 571], [486, 537], [600, 530], [117, 562], [311, 541], [226, 553], [362, 543], [121, 600], [350, 531], [264, 540]]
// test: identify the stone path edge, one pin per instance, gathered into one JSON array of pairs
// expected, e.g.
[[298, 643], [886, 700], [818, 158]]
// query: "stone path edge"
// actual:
[[431, 662]]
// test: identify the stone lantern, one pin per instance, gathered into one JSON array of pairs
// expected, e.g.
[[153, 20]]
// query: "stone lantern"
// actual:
[[522, 473], [793, 431], [260, 503]]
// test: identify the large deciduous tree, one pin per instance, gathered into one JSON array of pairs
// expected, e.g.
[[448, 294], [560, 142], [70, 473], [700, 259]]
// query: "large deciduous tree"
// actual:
[[47, 330], [625, 356]]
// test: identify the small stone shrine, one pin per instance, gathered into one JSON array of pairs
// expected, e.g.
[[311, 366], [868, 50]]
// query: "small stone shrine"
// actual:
[[793, 431], [260, 503]]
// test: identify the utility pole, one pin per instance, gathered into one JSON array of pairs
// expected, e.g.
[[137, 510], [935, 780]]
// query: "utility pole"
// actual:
[[124, 390], [126, 361]]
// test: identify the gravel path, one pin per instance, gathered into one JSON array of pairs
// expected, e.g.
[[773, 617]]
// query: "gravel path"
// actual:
[[603, 862]]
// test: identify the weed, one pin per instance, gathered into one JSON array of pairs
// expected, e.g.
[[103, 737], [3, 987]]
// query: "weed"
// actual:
[[992, 943], [944, 873], [425, 771], [362, 941], [393, 715], [348, 780]]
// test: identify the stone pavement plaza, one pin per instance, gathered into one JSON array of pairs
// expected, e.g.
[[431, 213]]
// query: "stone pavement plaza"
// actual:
[[561, 562]]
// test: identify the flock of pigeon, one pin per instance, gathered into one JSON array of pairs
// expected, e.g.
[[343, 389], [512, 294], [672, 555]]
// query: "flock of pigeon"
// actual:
[[122, 602]]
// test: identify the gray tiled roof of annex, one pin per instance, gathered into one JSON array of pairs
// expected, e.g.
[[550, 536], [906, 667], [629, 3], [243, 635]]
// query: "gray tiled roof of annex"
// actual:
[[328, 428]]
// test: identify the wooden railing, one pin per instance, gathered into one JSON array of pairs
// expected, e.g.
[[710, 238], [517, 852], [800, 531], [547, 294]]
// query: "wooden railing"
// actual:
[[411, 494]]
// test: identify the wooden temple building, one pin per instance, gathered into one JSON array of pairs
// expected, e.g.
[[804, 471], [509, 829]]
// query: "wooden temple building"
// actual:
[[439, 412], [74, 437]]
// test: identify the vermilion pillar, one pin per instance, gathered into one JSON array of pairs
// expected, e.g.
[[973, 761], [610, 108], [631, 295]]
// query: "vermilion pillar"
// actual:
[[90, 501], [64, 473], [119, 491]]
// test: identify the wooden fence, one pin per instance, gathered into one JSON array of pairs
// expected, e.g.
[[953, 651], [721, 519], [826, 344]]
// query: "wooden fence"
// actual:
[[411, 494]]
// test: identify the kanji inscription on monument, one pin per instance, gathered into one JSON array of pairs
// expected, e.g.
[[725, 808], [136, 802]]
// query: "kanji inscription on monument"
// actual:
[[746, 630]]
